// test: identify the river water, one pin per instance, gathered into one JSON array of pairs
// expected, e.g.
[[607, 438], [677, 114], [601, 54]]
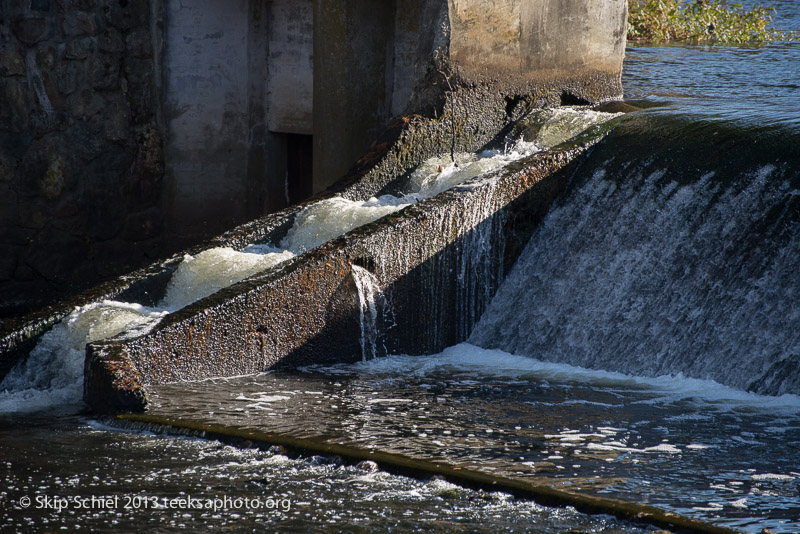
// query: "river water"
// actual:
[[614, 359]]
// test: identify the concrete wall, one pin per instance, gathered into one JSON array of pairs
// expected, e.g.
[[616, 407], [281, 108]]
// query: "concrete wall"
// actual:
[[81, 158], [290, 83], [130, 129], [236, 74], [207, 83], [404, 57], [533, 42], [352, 78]]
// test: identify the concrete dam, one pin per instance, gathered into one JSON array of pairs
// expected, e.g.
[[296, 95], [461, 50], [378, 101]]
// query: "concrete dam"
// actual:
[[360, 95], [422, 238]]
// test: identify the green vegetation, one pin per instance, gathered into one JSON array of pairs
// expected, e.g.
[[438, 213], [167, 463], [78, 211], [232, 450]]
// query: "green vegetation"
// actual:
[[701, 21]]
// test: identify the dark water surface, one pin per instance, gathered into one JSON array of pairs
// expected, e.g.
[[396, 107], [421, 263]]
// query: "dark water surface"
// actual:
[[694, 447], [691, 446], [78, 475]]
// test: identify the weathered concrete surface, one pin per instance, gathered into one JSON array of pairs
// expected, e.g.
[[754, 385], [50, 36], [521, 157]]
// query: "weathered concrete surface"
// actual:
[[99, 96], [238, 77], [145, 286], [207, 98], [424, 469], [351, 68], [132, 129], [405, 143], [290, 83], [530, 43], [456, 57], [285, 317]]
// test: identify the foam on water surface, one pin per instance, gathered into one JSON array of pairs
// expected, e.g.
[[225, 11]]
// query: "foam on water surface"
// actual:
[[332, 217], [674, 442], [558, 125], [308, 494], [211, 270], [52, 375], [206, 272], [660, 390]]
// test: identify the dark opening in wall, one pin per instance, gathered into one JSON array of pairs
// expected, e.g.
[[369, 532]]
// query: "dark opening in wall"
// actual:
[[299, 177]]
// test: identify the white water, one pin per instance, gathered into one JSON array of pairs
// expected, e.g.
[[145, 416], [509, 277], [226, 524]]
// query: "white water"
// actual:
[[53, 374], [211, 270], [664, 389], [332, 217], [646, 276], [368, 291]]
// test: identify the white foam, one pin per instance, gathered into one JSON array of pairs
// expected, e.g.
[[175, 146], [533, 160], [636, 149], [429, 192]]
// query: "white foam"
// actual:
[[440, 173], [772, 476], [663, 447], [739, 503], [52, 374], [327, 219], [211, 270], [665, 389]]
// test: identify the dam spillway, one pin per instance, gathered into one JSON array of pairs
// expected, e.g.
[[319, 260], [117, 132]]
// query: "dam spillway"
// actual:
[[688, 446], [307, 305], [474, 379]]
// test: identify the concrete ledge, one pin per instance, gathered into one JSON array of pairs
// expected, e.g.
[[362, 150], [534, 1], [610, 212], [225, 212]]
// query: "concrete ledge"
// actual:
[[438, 263], [114, 384], [404, 465], [401, 146]]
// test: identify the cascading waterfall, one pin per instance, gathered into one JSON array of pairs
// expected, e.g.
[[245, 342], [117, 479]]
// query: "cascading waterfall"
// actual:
[[52, 375], [656, 268], [479, 272], [368, 294]]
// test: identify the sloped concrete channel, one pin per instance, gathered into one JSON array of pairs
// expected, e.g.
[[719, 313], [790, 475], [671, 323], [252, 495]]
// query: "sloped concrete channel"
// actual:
[[403, 144], [438, 263]]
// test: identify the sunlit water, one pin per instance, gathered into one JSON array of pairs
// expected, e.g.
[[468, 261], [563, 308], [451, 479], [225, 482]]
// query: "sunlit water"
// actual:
[[137, 481], [696, 447], [690, 446], [753, 84]]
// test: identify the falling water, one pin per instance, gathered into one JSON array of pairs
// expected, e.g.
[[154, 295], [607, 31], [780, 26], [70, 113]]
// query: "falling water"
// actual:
[[369, 292], [652, 266]]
